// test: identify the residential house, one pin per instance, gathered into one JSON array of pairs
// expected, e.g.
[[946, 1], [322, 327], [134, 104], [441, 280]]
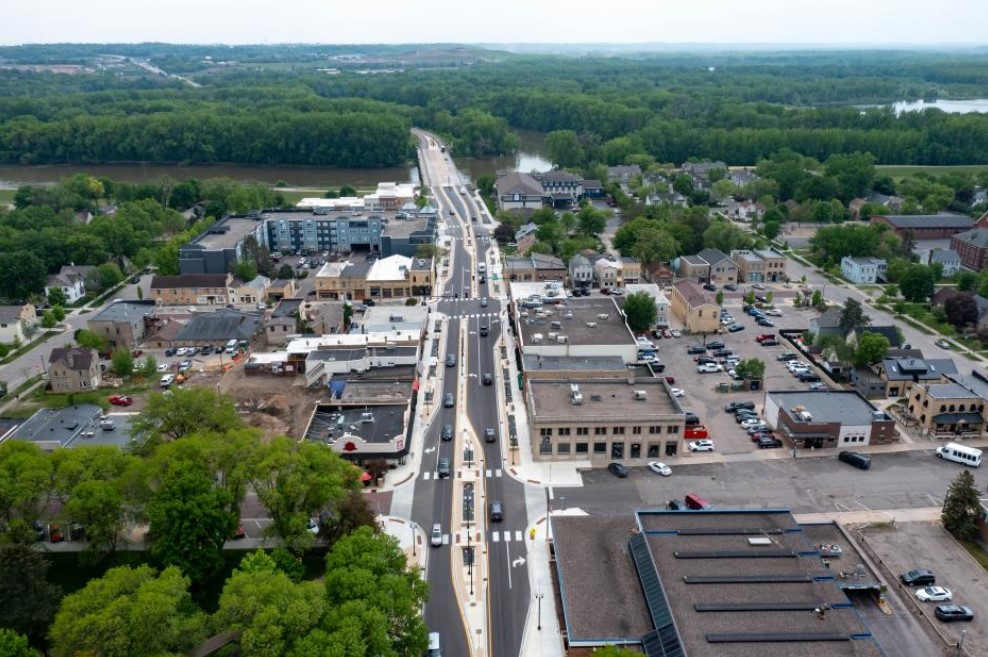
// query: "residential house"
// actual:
[[943, 294], [700, 172], [593, 189], [74, 370], [863, 270], [951, 260], [694, 268], [893, 203], [193, 289], [535, 267], [17, 323], [580, 272], [745, 210], [518, 191], [395, 277], [759, 265], [828, 418], [826, 324], [71, 280], [723, 270], [972, 247], [661, 301], [525, 237], [670, 197], [741, 178], [925, 226], [696, 308], [125, 323], [623, 173], [282, 322]]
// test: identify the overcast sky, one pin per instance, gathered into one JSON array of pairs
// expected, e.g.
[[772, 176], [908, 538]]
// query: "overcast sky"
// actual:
[[502, 21]]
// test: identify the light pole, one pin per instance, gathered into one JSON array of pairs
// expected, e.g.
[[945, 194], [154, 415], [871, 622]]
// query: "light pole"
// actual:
[[539, 596], [960, 644], [414, 540]]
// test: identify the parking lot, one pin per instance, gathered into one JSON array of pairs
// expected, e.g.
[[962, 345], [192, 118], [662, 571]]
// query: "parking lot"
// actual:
[[702, 392]]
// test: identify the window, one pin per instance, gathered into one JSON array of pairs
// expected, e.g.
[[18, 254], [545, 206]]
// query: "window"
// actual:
[[581, 448], [618, 431], [654, 430], [653, 450], [600, 448], [617, 450], [636, 450], [545, 432], [636, 431], [545, 446], [564, 431], [600, 431], [672, 428], [582, 431], [562, 448]]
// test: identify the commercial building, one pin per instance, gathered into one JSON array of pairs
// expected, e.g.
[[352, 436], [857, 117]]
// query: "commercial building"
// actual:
[[193, 289], [218, 249], [760, 265], [952, 410], [534, 267], [694, 268], [394, 277], [72, 426], [894, 377], [603, 420], [712, 583], [125, 323], [584, 327], [828, 419], [661, 301], [218, 328], [863, 270], [518, 191], [695, 308], [723, 270], [74, 370], [972, 247], [925, 226], [580, 272]]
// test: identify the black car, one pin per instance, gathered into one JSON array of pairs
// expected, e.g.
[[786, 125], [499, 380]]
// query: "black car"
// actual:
[[809, 377], [448, 400], [951, 613], [731, 287], [736, 406], [694, 349], [496, 511], [767, 442], [488, 378], [918, 577], [674, 505], [709, 287], [658, 367], [447, 432], [860, 461], [692, 420], [786, 356], [716, 344], [450, 360], [490, 435], [771, 342], [171, 351], [618, 470], [743, 415], [722, 353], [443, 470]]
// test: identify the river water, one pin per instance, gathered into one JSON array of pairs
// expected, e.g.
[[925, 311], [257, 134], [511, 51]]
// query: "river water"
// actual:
[[530, 156], [972, 105]]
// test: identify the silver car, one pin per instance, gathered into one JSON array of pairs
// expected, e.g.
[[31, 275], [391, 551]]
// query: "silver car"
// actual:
[[437, 535]]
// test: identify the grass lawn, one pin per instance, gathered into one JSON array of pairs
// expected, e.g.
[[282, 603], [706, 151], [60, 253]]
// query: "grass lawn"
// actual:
[[7, 195], [898, 172]]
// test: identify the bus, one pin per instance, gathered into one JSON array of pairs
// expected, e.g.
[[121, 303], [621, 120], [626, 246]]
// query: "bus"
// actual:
[[960, 453]]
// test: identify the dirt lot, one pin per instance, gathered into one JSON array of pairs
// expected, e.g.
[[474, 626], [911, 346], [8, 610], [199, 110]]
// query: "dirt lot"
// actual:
[[927, 545]]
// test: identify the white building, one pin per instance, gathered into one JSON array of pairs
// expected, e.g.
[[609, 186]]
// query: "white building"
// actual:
[[661, 301], [71, 280], [864, 270]]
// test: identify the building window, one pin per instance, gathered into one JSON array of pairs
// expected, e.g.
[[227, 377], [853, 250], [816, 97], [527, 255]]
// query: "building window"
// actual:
[[545, 432], [617, 450], [581, 448], [672, 428], [600, 448], [564, 431], [636, 431], [636, 450], [600, 431], [653, 450], [618, 431], [582, 431], [654, 430], [562, 448], [545, 446]]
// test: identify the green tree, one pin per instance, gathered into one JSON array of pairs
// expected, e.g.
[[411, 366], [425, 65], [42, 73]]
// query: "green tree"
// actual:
[[854, 173], [966, 281], [25, 473], [58, 312], [245, 270], [564, 148], [817, 299], [654, 246], [591, 220], [961, 310], [29, 599], [86, 338], [21, 275], [872, 348], [640, 310], [720, 297], [56, 297], [752, 369], [48, 320], [961, 507], [917, 283], [614, 651], [286, 272], [295, 481], [347, 191], [99, 505], [13, 644], [122, 363], [725, 236], [185, 411], [128, 611], [852, 316]]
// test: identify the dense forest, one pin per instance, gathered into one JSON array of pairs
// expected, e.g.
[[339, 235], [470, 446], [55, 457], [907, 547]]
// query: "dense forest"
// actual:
[[280, 105]]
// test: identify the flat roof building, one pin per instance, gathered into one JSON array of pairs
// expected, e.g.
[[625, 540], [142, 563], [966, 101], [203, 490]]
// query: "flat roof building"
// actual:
[[828, 418], [589, 326]]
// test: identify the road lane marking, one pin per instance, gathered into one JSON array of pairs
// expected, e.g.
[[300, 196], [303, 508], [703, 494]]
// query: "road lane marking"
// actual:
[[495, 537], [518, 536]]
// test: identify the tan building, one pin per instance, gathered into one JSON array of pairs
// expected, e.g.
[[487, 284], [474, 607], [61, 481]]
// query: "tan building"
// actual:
[[947, 410], [17, 322], [535, 267], [395, 277], [603, 420], [125, 323], [723, 270], [760, 266], [281, 288], [74, 370], [193, 289], [252, 292], [694, 268], [695, 308]]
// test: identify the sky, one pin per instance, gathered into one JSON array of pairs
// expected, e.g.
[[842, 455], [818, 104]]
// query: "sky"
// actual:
[[799, 22]]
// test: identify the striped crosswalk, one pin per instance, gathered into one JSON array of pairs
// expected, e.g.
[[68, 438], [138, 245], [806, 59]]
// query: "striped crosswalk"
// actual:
[[489, 474], [506, 536]]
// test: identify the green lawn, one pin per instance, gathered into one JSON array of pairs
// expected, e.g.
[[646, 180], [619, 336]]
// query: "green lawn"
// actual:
[[899, 171], [7, 195]]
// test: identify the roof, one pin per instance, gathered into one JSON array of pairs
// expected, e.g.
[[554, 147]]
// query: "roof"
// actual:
[[977, 237], [594, 320], [557, 176], [890, 332], [70, 274], [694, 294], [330, 424], [946, 256], [286, 308], [840, 406], [78, 358], [518, 183], [392, 268], [10, 314], [829, 319], [949, 391], [954, 418], [227, 232], [907, 221], [906, 369], [976, 382], [579, 260], [713, 256], [942, 294], [604, 400], [694, 260], [864, 260], [534, 363], [189, 281], [52, 428], [128, 311], [220, 325]]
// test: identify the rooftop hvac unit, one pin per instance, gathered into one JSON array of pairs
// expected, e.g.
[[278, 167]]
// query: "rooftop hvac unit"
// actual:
[[366, 417], [641, 395], [591, 324], [577, 399]]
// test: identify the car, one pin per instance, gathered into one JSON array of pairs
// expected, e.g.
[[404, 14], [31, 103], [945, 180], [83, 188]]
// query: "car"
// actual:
[[723, 353], [677, 392], [659, 468], [943, 344], [488, 378], [121, 400], [796, 364], [483, 302], [934, 594], [185, 366], [442, 468], [136, 353], [674, 505], [759, 434], [750, 422], [863, 462], [732, 287], [671, 380], [761, 298], [770, 343], [757, 286], [436, 539], [951, 613], [171, 351], [819, 386], [918, 577], [699, 431], [743, 415], [205, 351], [715, 345], [734, 328], [450, 360], [106, 424], [312, 526], [709, 287], [617, 469], [447, 433], [764, 336], [675, 333], [696, 349], [774, 312], [55, 534], [448, 400], [181, 351], [708, 368], [786, 356], [238, 533], [808, 377], [761, 427], [701, 446], [736, 406], [490, 435], [764, 321], [768, 442], [163, 367], [692, 419], [167, 380]]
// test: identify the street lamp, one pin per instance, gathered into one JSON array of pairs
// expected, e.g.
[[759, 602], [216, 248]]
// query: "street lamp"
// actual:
[[960, 644], [539, 596]]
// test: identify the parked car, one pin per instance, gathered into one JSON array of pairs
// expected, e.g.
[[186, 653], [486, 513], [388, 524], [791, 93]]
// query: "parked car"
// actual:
[[770, 343], [750, 422], [761, 427], [437, 536], [736, 406], [713, 346], [862, 462], [774, 312], [808, 377], [767, 442], [943, 344], [490, 435], [674, 505], [694, 349], [709, 287], [170, 351], [757, 286], [677, 392], [723, 353], [734, 328], [488, 378], [786, 356], [934, 594], [701, 446], [121, 400], [617, 469], [918, 577], [764, 321], [951, 613], [698, 431], [731, 287], [707, 368], [764, 336], [660, 468], [675, 333]]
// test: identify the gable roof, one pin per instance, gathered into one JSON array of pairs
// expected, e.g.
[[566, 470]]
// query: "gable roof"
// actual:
[[829, 319], [889, 332], [945, 256], [714, 256], [518, 183], [694, 294], [906, 221], [77, 358], [70, 275], [977, 237]]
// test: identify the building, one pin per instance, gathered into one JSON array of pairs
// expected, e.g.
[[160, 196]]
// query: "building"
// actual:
[[894, 377], [817, 419], [952, 410], [534, 267], [125, 323], [891, 333], [17, 323], [221, 246], [389, 196], [559, 368], [252, 292], [281, 288], [282, 323], [661, 301], [560, 188], [217, 328], [74, 370], [580, 272], [925, 226], [694, 268], [862, 270], [760, 266], [73, 426], [827, 323], [586, 327], [518, 191], [700, 172], [394, 277], [723, 582], [607, 273], [950, 259], [193, 289], [723, 270], [71, 280], [697, 310], [623, 174], [972, 247], [603, 420], [631, 270], [326, 317]]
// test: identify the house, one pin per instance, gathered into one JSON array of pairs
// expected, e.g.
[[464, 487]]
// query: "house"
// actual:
[[742, 177], [17, 323], [661, 301], [252, 292], [535, 267], [631, 270], [193, 289], [951, 260], [943, 294], [670, 197], [580, 272], [722, 270], [826, 324], [74, 370], [863, 270], [925, 226], [281, 288], [282, 322], [125, 323], [700, 172], [517, 191], [324, 317], [697, 310], [828, 418], [895, 377], [593, 189], [759, 265], [623, 173], [694, 268], [891, 333], [746, 210], [394, 277], [972, 247], [71, 280], [525, 237]]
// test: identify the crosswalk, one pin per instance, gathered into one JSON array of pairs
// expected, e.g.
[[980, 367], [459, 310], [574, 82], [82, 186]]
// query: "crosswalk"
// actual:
[[507, 536], [489, 474], [474, 315]]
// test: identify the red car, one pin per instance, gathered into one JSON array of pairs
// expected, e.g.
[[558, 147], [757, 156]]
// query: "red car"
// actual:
[[698, 431], [121, 400], [671, 380], [765, 336], [55, 534], [136, 353]]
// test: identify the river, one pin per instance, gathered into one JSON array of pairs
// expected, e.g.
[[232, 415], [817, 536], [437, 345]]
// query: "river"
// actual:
[[969, 106], [530, 156]]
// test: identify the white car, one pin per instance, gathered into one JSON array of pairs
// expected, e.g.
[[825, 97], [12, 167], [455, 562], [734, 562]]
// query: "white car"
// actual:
[[727, 321], [707, 368], [312, 526], [676, 333], [774, 312], [747, 424], [163, 367], [701, 446], [181, 351], [932, 593], [677, 392], [797, 365], [660, 468]]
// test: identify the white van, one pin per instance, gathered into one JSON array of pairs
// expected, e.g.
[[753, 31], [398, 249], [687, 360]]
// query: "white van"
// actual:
[[434, 649], [231, 347], [960, 453]]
